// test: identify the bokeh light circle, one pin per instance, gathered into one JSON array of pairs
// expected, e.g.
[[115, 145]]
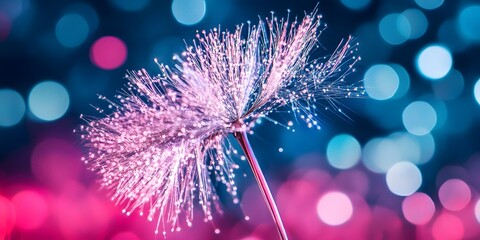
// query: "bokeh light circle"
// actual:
[[429, 4], [418, 24], [87, 11], [448, 227], [454, 194], [407, 146], [404, 178], [393, 28], [71, 30], [403, 80], [343, 151], [108, 52], [31, 209], [381, 82], [48, 100], [12, 107], [419, 118], [355, 4], [427, 147], [434, 62], [418, 208], [477, 210], [380, 154], [188, 12], [334, 208], [130, 5], [469, 22], [476, 91]]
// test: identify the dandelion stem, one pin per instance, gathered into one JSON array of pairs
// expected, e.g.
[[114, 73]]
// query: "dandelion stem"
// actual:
[[262, 183]]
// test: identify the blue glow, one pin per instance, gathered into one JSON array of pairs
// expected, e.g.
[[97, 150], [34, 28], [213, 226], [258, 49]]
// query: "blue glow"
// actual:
[[407, 146], [380, 154], [419, 118], [14, 8], [71, 30], [164, 49], [404, 178], [393, 28], [476, 91], [86, 11], [48, 100], [381, 82], [413, 148], [459, 118], [87, 81], [130, 5], [188, 12], [417, 26], [356, 4], [450, 86], [434, 62], [450, 35], [440, 110], [427, 147], [403, 78], [369, 36], [12, 107], [343, 151], [469, 22], [429, 4]]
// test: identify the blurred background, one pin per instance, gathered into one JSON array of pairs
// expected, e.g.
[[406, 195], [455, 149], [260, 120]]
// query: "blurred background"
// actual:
[[405, 165]]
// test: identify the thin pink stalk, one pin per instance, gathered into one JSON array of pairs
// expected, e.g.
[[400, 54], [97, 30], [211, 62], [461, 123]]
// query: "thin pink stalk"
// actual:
[[262, 183]]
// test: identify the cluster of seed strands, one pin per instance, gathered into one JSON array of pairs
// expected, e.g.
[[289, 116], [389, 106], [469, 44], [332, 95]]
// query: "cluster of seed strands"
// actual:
[[162, 143]]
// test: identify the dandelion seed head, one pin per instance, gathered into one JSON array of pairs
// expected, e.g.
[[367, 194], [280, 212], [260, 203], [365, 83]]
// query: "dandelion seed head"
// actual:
[[162, 145]]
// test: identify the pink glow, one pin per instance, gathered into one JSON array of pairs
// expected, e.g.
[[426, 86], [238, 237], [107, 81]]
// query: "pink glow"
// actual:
[[253, 207], [108, 52], [79, 214], [334, 208], [418, 208], [447, 226], [251, 238], [297, 200], [386, 224], [353, 181], [5, 26], [7, 217], [125, 236], [31, 210], [477, 210], [55, 162], [454, 194]]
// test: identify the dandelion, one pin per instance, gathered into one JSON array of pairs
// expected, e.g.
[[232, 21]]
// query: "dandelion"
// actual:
[[164, 142]]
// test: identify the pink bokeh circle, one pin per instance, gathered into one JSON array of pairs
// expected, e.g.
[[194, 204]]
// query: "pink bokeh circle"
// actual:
[[418, 208], [31, 209], [334, 208], [454, 194], [447, 226], [108, 52]]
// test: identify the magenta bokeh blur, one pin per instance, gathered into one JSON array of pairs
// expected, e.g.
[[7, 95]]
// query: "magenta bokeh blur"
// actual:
[[403, 163]]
